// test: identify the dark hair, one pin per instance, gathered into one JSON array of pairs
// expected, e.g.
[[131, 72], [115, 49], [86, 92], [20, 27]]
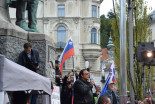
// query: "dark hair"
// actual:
[[81, 73], [103, 99], [27, 45], [56, 61]]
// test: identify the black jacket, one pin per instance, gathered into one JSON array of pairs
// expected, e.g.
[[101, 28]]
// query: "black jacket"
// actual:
[[83, 92], [25, 61], [66, 93], [57, 80]]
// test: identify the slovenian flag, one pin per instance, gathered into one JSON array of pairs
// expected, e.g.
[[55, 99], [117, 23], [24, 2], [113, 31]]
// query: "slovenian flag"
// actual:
[[149, 94], [111, 77], [67, 52]]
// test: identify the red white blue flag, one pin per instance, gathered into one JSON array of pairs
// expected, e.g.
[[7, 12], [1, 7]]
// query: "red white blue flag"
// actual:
[[112, 70], [149, 94], [110, 78], [67, 52]]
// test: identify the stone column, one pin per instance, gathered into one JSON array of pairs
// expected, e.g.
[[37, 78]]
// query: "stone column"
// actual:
[[46, 48]]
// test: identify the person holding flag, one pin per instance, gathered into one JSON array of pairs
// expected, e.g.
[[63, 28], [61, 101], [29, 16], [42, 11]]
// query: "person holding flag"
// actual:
[[109, 87], [149, 94], [67, 53]]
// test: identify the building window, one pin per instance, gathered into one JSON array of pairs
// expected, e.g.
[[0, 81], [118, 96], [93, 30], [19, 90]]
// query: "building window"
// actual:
[[94, 36], [94, 11], [61, 10], [61, 37]]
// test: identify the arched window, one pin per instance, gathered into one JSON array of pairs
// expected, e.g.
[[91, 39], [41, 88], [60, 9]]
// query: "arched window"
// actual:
[[94, 36], [61, 37]]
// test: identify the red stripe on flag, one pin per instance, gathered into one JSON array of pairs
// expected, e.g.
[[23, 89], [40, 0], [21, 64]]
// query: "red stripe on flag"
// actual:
[[72, 99], [149, 96], [68, 54]]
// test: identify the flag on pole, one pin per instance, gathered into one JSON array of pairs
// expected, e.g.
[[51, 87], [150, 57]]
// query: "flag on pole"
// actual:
[[149, 94], [67, 52], [111, 78]]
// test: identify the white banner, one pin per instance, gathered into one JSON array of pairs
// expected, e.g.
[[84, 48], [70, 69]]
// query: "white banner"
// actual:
[[55, 97]]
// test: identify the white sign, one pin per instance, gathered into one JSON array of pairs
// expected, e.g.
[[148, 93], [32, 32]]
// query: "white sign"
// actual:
[[55, 97]]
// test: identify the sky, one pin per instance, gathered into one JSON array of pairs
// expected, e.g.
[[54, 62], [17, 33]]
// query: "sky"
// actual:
[[106, 5]]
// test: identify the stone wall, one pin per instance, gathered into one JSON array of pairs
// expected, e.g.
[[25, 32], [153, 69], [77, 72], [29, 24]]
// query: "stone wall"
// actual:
[[11, 47]]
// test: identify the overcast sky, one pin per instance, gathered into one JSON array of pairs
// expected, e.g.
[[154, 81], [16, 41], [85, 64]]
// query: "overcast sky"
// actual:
[[106, 5]]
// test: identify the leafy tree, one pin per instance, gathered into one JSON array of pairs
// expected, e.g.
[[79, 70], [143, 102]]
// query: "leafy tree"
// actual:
[[105, 29], [141, 34]]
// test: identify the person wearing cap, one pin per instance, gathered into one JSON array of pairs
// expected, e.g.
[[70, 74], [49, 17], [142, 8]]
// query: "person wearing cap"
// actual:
[[112, 93]]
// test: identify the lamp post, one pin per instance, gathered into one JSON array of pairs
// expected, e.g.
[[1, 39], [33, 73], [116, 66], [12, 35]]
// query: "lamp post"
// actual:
[[123, 70]]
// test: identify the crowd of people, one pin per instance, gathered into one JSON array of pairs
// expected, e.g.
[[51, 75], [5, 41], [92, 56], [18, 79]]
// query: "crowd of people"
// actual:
[[75, 88], [146, 101], [82, 88]]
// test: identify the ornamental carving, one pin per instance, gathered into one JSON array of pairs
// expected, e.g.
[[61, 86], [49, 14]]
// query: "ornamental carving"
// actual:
[[76, 20]]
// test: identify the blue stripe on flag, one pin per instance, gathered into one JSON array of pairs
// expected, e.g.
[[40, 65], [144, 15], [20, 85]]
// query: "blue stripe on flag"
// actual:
[[106, 85]]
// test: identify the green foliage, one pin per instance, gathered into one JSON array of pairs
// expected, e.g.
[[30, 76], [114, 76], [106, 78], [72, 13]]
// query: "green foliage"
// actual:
[[105, 29], [141, 34]]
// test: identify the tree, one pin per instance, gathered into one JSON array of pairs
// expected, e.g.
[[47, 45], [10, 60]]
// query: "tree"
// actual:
[[105, 29], [141, 33]]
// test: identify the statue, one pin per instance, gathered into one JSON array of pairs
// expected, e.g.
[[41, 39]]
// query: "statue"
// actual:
[[21, 6]]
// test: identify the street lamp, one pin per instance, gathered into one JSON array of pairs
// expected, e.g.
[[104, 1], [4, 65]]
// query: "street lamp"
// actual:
[[149, 54], [146, 54]]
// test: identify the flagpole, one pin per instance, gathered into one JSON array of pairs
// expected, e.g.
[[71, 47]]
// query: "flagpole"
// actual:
[[73, 61], [74, 79]]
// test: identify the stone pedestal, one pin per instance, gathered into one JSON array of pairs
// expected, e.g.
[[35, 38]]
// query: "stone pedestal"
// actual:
[[12, 39]]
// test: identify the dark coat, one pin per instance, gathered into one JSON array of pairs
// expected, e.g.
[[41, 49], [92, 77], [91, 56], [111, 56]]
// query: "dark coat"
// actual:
[[83, 92], [57, 80], [66, 93], [35, 59]]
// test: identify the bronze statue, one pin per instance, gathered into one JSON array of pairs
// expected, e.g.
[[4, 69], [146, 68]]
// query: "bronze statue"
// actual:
[[21, 6]]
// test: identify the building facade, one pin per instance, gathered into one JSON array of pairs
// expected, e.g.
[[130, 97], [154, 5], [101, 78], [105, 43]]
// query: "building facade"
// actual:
[[152, 24]]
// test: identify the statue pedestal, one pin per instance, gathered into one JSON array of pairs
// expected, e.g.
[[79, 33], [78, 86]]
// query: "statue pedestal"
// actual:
[[12, 39]]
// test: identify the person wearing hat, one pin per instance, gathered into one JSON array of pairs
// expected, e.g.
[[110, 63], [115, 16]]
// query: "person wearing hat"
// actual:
[[112, 93]]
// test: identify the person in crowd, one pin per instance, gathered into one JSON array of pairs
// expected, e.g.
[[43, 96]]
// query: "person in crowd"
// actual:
[[83, 89], [147, 101], [30, 59], [58, 76], [76, 75], [140, 102], [66, 93], [112, 93], [104, 100], [97, 93]]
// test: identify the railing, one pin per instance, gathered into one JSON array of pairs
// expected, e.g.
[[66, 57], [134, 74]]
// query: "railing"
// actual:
[[61, 44]]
